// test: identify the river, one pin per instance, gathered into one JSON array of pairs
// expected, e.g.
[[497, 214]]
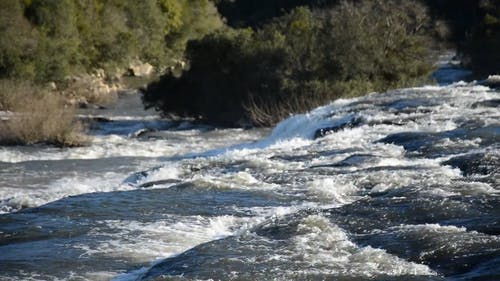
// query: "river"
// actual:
[[402, 185]]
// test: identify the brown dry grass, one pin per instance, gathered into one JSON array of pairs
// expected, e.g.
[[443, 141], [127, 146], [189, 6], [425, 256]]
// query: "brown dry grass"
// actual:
[[12, 91], [39, 117]]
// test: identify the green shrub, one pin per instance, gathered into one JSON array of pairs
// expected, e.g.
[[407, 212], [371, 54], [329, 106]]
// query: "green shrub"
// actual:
[[17, 43], [298, 61]]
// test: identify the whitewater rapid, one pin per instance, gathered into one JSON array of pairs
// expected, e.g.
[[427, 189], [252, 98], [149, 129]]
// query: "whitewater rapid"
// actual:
[[401, 185]]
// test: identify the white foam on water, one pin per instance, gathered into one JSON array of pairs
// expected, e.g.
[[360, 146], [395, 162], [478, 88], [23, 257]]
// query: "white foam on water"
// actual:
[[19, 198], [101, 147], [167, 171], [338, 190], [448, 143], [476, 188], [430, 227], [121, 117], [107, 146], [425, 179], [447, 106], [305, 125], [327, 249], [14, 199], [143, 242], [323, 246], [158, 240], [237, 180], [146, 241]]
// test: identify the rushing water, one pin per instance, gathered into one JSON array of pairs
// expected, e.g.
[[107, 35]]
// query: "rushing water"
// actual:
[[401, 185]]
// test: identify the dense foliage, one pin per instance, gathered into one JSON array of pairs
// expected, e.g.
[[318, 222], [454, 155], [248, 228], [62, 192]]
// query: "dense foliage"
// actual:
[[459, 15], [297, 61], [47, 40], [474, 29], [482, 47], [470, 26], [245, 13]]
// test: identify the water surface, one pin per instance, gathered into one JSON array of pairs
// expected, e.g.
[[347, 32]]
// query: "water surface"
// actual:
[[402, 185]]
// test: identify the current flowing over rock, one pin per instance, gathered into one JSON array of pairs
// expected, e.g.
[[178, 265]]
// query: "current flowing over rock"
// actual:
[[400, 185]]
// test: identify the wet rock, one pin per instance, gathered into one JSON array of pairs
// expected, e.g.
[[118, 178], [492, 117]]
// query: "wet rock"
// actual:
[[428, 143], [354, 122], [352, 160], [280, 229], [142, 132], [487, 103], [161, 182], [135, 178], [295, 158], [476, 164], [410, 110], [411, 141], [493, 81]]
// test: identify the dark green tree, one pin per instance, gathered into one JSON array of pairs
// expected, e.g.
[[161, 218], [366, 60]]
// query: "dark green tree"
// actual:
[[482, 46], [296, 62]]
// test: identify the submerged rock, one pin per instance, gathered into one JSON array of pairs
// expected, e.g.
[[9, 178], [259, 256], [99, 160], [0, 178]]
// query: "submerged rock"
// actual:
[[487, 103], [354, 122], [493, 81], [476, 164], [161, 182], [142, 132]]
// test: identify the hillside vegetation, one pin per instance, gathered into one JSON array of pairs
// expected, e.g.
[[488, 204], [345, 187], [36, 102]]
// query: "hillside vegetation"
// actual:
[[63, 42], [298, 61], [47, 40], [230, 62]]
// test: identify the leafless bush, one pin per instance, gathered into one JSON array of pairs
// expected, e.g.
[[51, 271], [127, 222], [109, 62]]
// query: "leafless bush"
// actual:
[[11, 93], [39, 117], [268, 112]]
